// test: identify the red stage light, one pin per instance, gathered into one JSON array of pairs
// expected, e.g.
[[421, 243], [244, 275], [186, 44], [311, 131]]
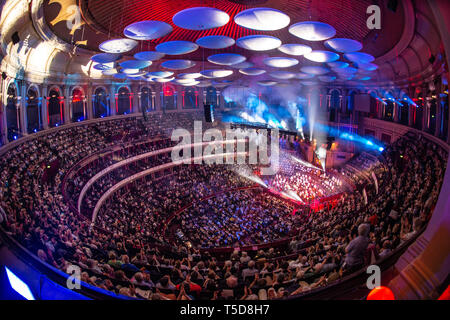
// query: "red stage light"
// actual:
[[381, 293]]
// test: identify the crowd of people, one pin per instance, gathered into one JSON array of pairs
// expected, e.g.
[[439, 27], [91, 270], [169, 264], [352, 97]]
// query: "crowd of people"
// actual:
[[129, 251], [149, 206], [237, 218]]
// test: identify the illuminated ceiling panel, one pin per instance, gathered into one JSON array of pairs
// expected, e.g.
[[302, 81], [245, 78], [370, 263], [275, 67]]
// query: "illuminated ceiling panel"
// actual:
[[149, 55], [322, 56], [176, 47], [264, 19], [201, 18], [178, 64], [118, 45], [226, 58], [343, 45], [147, 30], [258, 42], [280, 62], [312, 30], [295, 49], [215, 42]]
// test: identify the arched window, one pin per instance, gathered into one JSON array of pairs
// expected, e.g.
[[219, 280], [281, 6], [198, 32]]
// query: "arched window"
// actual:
[[403, 112], [389, 111], [334, 104], [211, 96], [34, 116], [100, 104], [433, 111], [374, 104], [77, 107], [124, 101], [389, 106], [147, 104], [55, 108], [190, 98], [444, 114], [418, 112], [168, 97], [351, 102], [12, 114]]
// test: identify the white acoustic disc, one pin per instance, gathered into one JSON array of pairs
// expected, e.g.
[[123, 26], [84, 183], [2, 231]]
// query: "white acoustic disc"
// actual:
[[312, 30], [176, 47], [118, 45], [200, 18], [258, 42], [147, 30], [264, 19]]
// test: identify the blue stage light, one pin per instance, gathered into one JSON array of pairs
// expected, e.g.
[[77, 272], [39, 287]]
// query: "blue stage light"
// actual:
[[18, 285]]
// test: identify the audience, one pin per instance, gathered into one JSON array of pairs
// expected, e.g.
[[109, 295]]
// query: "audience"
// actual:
[[155, 240]]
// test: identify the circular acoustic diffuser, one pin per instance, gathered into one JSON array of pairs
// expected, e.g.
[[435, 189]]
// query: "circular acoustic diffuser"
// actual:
[[106, 57], [322, 56], [109, 72], [304, 76], [118, 45], [160, 74], [189, 75], [120, 76], [338, 64], [204, 83], [282, 75], [258, 42], [215, 42], [280, 62], [252, 71], [147, 30], [190, 84], [327, 78], [163, 80], [343, 45], [200, 18], [264, 19], [346, 76], [137, 75], [242, 65], [317, 70], [267, 83], [367, 66], [216, 73], [312, 30], [176, 47], [149, 55], [362, 78], [178, 64], [130, 71], [359, 57], [295, 49], [135, 64], [348, 70], [226, 59], [102, 67]]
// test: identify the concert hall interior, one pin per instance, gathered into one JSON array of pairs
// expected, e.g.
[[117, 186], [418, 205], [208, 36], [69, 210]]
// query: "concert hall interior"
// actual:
[[224, 150]]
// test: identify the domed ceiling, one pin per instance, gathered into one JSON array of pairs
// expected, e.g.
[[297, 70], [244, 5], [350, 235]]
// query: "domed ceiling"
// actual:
[[195, 35]]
